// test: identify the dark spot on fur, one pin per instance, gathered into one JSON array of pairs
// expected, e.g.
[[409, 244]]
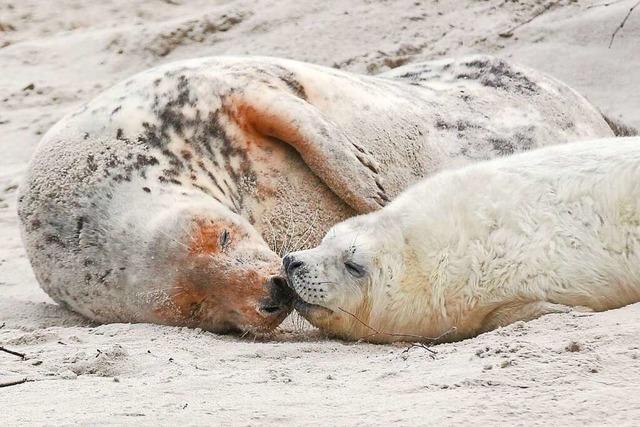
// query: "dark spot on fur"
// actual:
[[115, 110], [500, 75], [186, 155], [502, 146], [166, 180], [53, 239], [143, 161], [290, 80], [459, 125], [205, 190], [146, 189], [478, 63], [441, 124], [113, 161], [524, 139], [417, 76], [80, 225], [106, 274], [92, 166], [119, 133], [151, 135], [170, 172], [619, 128], [173, 159]]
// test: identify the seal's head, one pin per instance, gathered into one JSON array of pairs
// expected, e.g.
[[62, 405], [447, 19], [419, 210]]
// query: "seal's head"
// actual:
[[222, 275], [352, 279]]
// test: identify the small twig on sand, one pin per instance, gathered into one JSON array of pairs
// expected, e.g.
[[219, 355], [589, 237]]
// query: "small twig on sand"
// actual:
[[421, 338], [509, 32], [15, 353], [417, 345], [9, 384], [624, 21]]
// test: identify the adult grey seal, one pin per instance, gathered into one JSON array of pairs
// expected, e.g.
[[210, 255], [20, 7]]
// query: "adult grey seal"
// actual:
[[152, 202]]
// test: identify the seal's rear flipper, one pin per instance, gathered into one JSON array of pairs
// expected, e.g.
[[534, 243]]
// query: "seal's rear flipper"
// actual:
[[344, 166]]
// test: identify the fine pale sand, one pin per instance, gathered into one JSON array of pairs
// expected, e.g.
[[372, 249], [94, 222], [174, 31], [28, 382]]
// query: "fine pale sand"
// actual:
[[571, 369]]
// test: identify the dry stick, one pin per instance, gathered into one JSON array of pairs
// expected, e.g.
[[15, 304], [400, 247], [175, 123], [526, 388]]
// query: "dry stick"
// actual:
[[420, 337], [15, 353], [9, 384], [624, 21], [509, 32]]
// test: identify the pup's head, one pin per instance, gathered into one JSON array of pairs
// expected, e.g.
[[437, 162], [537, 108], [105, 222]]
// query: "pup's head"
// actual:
[[351, 278]]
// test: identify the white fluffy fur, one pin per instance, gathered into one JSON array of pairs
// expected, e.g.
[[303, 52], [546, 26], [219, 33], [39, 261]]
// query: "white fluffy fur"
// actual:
[[486, 245]]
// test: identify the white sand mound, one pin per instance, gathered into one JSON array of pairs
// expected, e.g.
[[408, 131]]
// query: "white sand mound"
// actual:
[[561, 369]]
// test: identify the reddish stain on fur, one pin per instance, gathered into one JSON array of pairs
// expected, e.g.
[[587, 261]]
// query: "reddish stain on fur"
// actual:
[[186, 305], [206, 236], [216, 301], [212, 290], [260, 123]]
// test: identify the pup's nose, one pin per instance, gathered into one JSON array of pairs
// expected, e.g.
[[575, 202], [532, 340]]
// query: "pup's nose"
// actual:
[[290, 264]]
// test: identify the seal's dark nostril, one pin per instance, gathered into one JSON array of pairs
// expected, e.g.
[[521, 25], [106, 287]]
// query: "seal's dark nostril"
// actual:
[[293, 266], [286, 261], [279, 282], [280, 296], [290, 264]]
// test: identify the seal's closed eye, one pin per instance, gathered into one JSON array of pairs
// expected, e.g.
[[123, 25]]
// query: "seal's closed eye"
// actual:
[[354, 269], [224, 239]]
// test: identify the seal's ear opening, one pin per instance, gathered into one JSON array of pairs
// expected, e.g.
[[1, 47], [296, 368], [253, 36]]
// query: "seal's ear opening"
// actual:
[[344, 166]]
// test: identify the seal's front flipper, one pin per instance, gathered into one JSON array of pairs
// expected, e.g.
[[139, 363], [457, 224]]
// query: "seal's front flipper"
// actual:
[[524, 311], [345, 166]]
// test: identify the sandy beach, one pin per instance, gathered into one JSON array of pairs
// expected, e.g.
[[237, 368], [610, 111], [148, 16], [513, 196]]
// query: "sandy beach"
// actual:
[[569, 369]]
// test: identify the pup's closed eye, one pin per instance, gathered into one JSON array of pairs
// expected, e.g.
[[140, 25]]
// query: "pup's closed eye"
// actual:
[[354, 269]]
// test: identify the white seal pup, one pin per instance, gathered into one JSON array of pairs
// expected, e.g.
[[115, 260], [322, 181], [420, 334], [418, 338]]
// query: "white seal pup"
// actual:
[[472, 249], [152, 202]]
